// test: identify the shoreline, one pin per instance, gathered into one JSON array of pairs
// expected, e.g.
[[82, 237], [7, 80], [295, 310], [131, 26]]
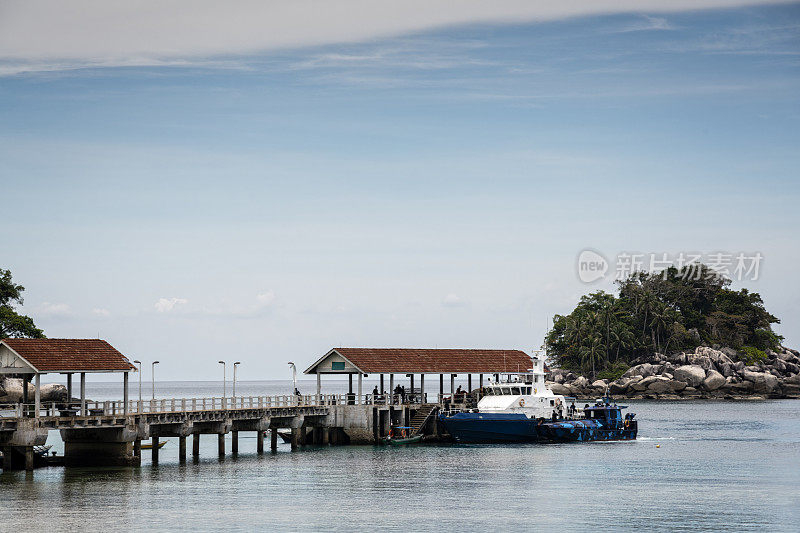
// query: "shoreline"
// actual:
[[705, 374]]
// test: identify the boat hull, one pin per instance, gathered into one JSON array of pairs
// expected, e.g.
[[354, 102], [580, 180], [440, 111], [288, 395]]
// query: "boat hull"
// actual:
[[481, 428]]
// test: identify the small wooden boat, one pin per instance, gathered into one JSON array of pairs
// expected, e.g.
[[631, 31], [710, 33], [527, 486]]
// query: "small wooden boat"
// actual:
[[400, 436], [149, 445], [41, 451]]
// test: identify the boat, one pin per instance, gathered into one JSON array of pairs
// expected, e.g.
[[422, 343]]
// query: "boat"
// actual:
[[149, 445], [400, 436], [42, 451], [523, 409]]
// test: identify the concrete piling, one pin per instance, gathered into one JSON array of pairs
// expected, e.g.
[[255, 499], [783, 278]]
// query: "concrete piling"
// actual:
[[196, 446], [221, 445], [28, 458], [234, 442], [154, 451], [259, 442], [295, 438], [182, 449], [137, 448], [273, 440]]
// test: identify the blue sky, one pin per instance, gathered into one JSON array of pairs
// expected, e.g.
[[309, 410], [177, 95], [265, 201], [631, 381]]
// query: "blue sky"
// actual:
[[426, 188]]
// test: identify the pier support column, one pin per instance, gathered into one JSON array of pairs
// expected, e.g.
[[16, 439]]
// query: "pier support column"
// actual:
[[125, 393], [137, 448], [381, 387], [452, 387], [69, 388], [259, 442], [37, 396], [154, 451], [221, 445], [182, 449], [469, 383], [295, 438], [326, 436], [273, 440], [234, 442], [441, 387], [410, 394], [196, 445], [29, 454], [360, 396], [422, 388], [391, 388], [83, 393]]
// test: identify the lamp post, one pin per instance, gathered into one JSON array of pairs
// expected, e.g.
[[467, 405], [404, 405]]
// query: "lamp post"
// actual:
[[237, 363], [294, 379], [153, 374], [224, 386], [140, 383]]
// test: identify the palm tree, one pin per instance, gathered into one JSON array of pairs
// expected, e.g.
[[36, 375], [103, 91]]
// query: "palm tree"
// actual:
[[591, 352]]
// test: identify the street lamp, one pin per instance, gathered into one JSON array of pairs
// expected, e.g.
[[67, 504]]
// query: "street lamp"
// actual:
[[237, 363], [140, 382], [294, 377], [153, 373], [224, 390]]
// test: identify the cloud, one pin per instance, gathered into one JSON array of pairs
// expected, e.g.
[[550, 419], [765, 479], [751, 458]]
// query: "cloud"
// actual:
[[453, 300], [265, 298], [51, 309], [165, 305], [56, 35], [100, 311]]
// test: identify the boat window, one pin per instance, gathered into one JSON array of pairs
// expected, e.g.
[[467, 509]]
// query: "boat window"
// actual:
[[515, 391]]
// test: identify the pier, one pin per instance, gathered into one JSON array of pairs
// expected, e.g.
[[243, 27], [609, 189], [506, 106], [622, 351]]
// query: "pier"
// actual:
[[110, 433]]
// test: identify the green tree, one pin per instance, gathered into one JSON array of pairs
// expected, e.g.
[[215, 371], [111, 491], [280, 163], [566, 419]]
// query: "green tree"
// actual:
[[13, 324]]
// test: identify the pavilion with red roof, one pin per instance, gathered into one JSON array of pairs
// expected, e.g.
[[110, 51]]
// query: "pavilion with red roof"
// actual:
[[414, 361], [62, 356]]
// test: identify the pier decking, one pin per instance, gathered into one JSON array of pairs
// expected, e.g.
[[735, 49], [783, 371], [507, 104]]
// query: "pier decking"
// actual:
[[110, 433]]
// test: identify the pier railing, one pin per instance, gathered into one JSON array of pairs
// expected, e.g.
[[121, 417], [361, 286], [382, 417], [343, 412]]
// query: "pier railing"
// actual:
[[173, 405]]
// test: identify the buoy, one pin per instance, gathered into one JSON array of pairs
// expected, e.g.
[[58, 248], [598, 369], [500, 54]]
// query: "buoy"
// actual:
[[658, 446]]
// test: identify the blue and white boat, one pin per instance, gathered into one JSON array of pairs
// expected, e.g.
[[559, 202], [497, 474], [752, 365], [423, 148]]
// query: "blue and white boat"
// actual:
[[523, 409]]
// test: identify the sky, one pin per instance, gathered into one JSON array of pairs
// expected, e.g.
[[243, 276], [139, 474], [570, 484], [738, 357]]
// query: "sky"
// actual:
[[263, 181]]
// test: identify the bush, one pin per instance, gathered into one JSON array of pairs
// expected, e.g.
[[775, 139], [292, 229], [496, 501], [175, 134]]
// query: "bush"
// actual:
[[751, 355], [613, 373]]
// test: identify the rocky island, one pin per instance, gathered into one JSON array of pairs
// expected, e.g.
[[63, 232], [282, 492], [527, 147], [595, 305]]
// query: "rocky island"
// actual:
[[678, 333]]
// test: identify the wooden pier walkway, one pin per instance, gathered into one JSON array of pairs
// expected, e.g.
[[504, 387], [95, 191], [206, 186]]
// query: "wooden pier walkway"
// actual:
[[111, 432]]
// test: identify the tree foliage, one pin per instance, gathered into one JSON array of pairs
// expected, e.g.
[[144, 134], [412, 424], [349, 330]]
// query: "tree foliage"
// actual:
[[659, 312], [13, 324]]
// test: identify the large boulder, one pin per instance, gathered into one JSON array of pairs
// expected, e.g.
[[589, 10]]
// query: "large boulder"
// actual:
[[53, 392], [580, 383], [714, 380], [635, 384], [702, 361], [692, 375], [644, 370], [558, 388], [12, 388], [600, 384], [677, 386], [763, 382], [659, 385], [618, 387]]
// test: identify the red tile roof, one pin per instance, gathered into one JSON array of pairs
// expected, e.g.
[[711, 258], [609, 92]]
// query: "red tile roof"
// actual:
[[436, 361], [75, 355]]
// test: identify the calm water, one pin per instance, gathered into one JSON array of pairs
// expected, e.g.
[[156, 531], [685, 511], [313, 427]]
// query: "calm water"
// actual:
[[720, 467]]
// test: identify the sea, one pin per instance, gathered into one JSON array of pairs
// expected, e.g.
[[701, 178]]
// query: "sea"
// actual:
[[696, 466]]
